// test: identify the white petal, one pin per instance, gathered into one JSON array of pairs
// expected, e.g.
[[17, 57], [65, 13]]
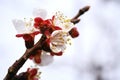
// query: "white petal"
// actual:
[[63, 22], [59, 33], [58, 41], [58, 48], [68, 26], [46, 59], [39, 13], [19, 25]]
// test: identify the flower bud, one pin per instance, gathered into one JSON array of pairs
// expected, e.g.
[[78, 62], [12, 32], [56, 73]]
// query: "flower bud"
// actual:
[[74, 32]]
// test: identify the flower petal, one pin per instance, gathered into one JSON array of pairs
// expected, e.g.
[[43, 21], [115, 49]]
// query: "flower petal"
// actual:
[[19, 25], [40, 13], [58, 48], [62, 21], [24, 27], [46, 59], [58, 41]]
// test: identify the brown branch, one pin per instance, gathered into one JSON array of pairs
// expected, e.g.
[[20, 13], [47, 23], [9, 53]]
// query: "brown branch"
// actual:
[[12, 71], [20, 62], [75, 19]]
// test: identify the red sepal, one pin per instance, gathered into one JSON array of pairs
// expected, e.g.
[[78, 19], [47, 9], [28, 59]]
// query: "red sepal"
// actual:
[[37, 57], [36, 33], [38, 20], [57, 54], [36, 25], [19, 35], [33, 72], [28, 37], [57, 28]]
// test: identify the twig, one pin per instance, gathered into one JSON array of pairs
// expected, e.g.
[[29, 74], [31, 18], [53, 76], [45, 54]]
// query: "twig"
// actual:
[[75, 19], [20, 62], [12, 71]]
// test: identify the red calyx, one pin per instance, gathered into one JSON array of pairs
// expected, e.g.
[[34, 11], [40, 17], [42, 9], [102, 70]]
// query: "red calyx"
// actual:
[[38, 20], [27, 37], [47, 22], [33, 72], [37, 57], [29, 40], [57, 54]]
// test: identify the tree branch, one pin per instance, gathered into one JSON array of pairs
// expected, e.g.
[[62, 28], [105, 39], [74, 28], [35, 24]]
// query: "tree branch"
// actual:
[[75, 19], [12, 71], [20, 62]]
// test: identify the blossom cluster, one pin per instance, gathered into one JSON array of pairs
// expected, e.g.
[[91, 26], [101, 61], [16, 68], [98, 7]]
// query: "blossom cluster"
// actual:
[[30, 74], [58, 32]]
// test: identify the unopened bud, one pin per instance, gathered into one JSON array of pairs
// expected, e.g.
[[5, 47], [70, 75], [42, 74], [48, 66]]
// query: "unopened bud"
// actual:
[[74, 32]]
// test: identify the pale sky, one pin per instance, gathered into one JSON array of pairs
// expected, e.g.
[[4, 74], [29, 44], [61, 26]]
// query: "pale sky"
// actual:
[[97, 46]]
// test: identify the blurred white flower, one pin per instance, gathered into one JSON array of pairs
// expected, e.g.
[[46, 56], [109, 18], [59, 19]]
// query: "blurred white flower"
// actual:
[[37, 12], [46, 59], [24, 27]]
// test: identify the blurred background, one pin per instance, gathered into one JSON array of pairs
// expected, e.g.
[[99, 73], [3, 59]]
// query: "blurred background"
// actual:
[[94, 55]]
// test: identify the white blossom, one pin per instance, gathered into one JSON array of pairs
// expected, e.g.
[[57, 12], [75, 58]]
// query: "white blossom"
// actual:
[[23, 27], [62, 21], [26, 25], [37, 12], [46, 59], [59, 40]]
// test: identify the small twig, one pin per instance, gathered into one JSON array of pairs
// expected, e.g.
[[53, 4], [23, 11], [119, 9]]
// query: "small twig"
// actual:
[[75, 19], [12, 71], [20, 62]]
